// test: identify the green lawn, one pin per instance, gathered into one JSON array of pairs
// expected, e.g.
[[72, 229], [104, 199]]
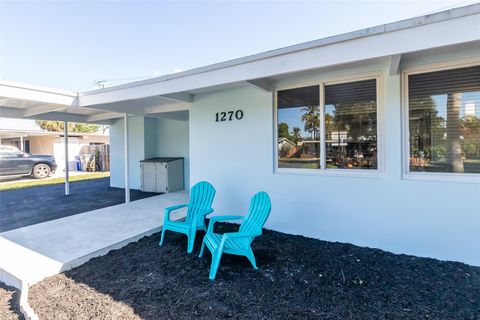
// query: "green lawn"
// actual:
[[34, 183]]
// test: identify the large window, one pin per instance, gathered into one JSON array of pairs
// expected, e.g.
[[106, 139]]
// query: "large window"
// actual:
[[444, 121], [328, 126], [299, 128], [351, 125]]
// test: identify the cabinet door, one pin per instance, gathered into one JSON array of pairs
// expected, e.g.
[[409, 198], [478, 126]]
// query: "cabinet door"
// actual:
[[161, 176], [148, 177]]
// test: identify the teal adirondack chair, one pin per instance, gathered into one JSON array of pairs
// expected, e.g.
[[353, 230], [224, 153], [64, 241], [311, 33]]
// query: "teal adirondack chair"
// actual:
[[238, 243], [201, 198]]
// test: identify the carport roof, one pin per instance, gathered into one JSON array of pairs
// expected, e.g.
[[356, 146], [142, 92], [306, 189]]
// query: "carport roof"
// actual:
[[32, 102], [393, 41]]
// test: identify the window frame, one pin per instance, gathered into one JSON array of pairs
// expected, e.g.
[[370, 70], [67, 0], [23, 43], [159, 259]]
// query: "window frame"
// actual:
[[323, 171], [428, 176]]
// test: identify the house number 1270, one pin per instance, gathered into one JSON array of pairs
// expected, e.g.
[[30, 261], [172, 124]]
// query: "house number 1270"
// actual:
[[228, 116]]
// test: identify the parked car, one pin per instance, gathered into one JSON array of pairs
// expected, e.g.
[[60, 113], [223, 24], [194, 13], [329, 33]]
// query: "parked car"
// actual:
[[16, 162]]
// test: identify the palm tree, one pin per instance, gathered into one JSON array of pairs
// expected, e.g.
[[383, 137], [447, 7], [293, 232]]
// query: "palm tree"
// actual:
[[296, 136], [311, 117], [454, 147], [58, 126]]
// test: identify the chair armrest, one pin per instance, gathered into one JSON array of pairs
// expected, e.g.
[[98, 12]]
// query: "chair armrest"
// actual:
[[172, 208], [221, 218], [236, 235], [207, 211]]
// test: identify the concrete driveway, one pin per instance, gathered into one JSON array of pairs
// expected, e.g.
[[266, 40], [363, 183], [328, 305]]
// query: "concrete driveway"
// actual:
[[28, 206]]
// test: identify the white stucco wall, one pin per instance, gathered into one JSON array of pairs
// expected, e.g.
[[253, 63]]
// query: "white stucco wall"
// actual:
[[423, 218], [173, 141], [136, 143], [432, 219]]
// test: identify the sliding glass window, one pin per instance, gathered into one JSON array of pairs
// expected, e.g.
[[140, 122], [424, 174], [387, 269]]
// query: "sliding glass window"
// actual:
[[444, 121], [351, 125], [298, 125]]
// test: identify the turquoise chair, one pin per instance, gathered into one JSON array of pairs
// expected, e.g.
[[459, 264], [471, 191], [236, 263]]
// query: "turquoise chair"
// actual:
[[237, 243], [201, 198]]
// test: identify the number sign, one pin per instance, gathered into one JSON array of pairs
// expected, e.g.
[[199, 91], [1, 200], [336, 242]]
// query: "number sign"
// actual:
[[228, 116]]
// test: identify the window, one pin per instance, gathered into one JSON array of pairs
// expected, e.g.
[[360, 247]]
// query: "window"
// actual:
[[328, 126], [298, 125], [351, 125], [444, 121]]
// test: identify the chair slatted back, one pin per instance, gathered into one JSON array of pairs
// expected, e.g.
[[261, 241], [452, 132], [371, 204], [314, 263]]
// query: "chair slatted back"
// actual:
[[201, 197], [260, 207]]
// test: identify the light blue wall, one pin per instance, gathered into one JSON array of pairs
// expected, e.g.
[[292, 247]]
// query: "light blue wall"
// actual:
[[148, 138], [150, 131], [173, 141], [433, 219], [136, 141]]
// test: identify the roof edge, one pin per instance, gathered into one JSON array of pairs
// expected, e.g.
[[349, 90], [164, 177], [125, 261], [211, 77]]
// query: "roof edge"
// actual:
[[450, 14], [38, 88]]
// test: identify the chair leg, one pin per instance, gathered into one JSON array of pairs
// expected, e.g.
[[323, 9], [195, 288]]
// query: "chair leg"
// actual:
[[163, 236], [251, 257], [201, 250], [217, 255], [191, 240]]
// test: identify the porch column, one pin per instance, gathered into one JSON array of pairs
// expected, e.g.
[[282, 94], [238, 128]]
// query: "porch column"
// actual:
[[67, 182], [22, 145], [127, 185]]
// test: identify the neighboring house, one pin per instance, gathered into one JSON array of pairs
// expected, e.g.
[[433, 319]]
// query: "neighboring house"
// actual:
[[396, 90], [30, 138]]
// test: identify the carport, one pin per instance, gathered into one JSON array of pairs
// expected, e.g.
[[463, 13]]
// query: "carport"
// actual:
[[31, 102]]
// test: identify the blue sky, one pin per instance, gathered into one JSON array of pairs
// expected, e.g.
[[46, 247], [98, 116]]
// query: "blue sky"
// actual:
[[70, 44]]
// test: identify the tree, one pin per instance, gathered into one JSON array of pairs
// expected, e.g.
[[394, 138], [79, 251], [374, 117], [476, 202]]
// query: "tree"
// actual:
[[283, 131], [58, 126], [454, 147], [296, 136], [311, 117]]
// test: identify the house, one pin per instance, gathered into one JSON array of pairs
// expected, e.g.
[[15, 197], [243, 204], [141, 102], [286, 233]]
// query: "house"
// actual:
[[392, 94], [28, 137]]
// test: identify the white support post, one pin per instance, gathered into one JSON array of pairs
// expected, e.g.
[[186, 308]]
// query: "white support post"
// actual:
[[67, 176], [127, 186], [22, 144]]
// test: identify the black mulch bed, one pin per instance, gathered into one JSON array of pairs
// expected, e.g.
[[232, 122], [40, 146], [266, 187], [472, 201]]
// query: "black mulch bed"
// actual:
[[299, 278], [9, 303]]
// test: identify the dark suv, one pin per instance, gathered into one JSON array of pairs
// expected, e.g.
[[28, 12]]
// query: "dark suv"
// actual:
[[16, 162]]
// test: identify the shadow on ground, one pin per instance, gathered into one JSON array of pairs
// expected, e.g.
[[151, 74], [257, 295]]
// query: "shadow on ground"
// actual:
[[9, 303], [299, 278], [28, 206]]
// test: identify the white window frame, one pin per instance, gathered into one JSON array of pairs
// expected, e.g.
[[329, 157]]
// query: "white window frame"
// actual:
[[323, 171], [429, 176]]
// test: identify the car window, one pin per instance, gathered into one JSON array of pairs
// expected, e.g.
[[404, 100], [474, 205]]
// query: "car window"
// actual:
[[9, 152]]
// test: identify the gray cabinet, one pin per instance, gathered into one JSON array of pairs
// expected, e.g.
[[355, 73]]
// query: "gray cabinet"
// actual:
[[162, 175]]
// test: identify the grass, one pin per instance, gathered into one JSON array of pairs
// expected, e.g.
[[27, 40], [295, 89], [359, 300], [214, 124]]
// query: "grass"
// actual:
[[34, 183]]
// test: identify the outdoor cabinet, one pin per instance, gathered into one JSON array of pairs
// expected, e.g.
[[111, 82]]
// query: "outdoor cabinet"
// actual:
[[162, 175]]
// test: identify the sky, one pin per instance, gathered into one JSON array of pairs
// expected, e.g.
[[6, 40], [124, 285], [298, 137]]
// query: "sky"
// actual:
[[70, 45]]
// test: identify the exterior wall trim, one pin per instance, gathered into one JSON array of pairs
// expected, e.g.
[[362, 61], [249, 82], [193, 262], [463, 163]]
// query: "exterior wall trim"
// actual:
[[322, 171], [429, 176]]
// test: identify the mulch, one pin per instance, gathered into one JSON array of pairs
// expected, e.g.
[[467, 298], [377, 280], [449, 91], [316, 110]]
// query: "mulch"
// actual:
[[298, 278], [9, 303]]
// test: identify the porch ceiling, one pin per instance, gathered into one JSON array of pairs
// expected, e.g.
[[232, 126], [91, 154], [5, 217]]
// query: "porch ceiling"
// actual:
[[29, 102]]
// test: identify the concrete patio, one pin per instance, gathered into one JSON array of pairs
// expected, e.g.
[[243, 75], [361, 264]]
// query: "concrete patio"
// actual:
[[29, 254]]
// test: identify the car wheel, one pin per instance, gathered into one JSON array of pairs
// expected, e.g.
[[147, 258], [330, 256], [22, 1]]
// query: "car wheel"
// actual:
[[41, 171]]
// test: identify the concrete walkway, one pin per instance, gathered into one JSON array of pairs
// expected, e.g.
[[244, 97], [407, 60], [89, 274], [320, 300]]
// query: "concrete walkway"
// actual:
[[30, 254]]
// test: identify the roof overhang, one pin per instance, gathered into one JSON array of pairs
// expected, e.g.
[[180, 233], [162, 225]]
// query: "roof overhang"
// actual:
[[30, 102], [448, 28], [389, 42]]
